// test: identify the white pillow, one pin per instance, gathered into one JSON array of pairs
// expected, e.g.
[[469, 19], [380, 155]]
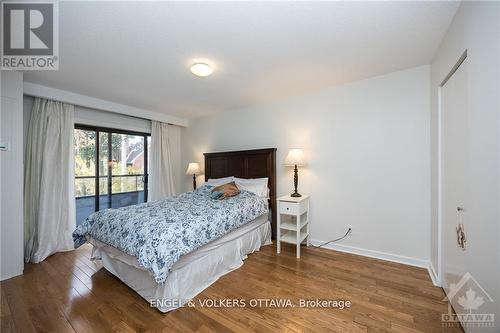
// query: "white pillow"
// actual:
[[219, 181], [254, 185]]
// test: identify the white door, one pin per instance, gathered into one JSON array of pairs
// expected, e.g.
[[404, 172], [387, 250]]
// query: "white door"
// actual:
[[454, 181]]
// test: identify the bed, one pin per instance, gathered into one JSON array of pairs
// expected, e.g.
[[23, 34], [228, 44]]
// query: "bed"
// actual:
[[170, 263]]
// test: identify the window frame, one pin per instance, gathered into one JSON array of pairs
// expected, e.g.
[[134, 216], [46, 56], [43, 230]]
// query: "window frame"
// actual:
[[110, 131]]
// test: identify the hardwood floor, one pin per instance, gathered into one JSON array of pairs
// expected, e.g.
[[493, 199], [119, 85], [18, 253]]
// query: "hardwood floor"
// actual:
[[67, 293]]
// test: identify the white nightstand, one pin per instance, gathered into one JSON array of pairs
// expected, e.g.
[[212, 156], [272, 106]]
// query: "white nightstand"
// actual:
[[296, 230]]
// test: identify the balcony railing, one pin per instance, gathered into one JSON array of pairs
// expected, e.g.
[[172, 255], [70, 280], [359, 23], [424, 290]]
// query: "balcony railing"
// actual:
[[137, 184], [129, 193]]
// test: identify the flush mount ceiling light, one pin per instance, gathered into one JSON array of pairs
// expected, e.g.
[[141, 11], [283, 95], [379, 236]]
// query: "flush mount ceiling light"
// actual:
[[201, 69]]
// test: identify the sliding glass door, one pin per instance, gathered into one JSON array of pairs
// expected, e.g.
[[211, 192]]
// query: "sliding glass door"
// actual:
[[115, 163]]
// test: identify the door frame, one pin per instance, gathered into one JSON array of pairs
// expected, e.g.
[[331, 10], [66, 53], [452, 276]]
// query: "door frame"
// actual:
[[455, 67]]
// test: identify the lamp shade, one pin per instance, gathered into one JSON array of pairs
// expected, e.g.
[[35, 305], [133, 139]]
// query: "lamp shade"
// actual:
[[193, 169], [295, 157]]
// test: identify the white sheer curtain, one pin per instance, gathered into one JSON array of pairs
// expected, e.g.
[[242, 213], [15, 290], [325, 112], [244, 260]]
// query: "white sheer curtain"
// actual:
[[164, 160], [49, 180], [174, 140]]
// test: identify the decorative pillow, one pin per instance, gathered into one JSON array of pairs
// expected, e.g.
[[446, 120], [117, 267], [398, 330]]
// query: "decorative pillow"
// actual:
[[225, 191]]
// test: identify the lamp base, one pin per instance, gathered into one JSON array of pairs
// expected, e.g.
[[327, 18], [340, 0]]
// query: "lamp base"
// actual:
[[295, 194]]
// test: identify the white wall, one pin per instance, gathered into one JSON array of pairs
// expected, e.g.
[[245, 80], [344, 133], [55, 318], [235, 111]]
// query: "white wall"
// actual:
[[476, 27], [367, 147], [11, 181]]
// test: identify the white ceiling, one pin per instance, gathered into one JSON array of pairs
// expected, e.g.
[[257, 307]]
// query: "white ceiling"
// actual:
[[138, 53]]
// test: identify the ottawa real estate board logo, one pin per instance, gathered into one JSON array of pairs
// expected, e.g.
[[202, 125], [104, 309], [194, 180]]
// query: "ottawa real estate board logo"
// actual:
[[469, 300], [30, 35]]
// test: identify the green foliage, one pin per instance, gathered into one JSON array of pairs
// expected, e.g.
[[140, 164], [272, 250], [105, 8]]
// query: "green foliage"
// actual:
[[85, 156]]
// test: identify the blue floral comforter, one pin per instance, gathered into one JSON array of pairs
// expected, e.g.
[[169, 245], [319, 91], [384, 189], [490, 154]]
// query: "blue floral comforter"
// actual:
[[159, 233]]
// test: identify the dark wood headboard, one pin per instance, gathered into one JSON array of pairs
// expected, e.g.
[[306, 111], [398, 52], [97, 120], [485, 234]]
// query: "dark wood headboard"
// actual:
[[256, 163]]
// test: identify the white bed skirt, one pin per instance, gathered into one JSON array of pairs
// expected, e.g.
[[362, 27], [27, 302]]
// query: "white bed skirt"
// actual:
[[193, 272]]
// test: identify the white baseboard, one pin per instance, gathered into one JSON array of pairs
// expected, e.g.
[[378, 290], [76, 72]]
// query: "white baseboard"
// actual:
[[433, 275], [10, 276], [375, 254]]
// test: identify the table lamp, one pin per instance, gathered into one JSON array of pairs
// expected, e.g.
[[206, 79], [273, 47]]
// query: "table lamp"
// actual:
[[193, 169], [295, 158]]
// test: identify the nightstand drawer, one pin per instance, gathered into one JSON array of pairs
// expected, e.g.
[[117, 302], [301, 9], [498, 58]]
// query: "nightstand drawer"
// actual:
[[289, 208]]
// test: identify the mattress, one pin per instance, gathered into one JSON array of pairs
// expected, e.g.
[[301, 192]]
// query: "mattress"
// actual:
[[193, 272]]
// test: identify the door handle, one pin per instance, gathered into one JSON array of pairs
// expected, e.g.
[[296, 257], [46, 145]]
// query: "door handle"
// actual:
[[460, 209], [461, 238]]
